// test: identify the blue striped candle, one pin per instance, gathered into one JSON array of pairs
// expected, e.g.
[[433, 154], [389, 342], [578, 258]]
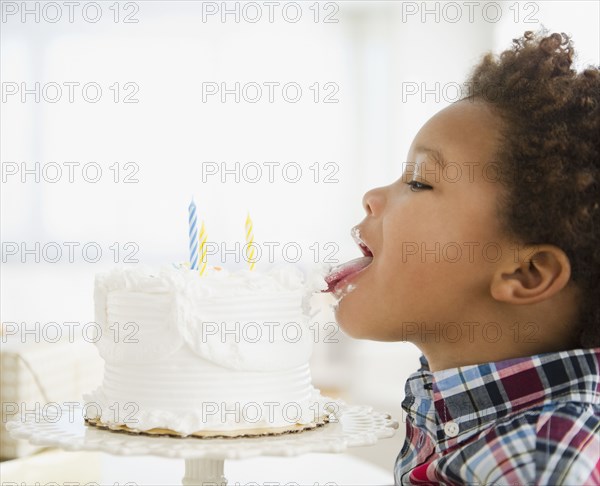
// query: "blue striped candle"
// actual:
[[193, 221]]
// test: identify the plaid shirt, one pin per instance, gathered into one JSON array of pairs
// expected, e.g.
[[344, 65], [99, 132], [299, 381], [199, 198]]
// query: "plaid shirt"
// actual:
[[523, 421]]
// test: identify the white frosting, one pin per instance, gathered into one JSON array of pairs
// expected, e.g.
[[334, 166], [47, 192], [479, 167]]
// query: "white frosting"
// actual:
[[218, 352], [244, 320], [189, 394]]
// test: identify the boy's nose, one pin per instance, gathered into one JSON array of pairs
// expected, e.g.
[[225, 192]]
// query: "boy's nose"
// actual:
[[374, 201]]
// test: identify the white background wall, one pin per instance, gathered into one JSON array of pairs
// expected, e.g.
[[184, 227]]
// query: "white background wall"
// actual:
[[372, 53]]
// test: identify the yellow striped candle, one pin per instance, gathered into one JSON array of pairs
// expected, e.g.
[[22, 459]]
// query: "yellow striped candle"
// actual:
[[250, 250], [202, 242]]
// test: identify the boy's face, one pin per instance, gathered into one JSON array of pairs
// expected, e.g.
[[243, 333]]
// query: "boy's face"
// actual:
[[434, 250]]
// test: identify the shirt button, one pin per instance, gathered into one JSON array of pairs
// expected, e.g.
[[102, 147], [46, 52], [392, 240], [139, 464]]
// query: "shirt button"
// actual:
[[451, 429]]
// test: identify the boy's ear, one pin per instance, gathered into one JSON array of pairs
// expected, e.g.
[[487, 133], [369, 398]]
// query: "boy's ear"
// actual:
[[533, 274]]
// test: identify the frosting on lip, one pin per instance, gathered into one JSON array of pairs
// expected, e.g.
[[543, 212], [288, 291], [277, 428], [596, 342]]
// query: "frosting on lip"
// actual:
[[338, 275], [364, 248]]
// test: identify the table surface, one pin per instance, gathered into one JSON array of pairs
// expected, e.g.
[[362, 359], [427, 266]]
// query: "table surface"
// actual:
[[340, 469], [84, 467]]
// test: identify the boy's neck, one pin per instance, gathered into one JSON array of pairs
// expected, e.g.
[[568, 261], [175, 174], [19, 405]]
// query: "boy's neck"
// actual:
[[443, 356]]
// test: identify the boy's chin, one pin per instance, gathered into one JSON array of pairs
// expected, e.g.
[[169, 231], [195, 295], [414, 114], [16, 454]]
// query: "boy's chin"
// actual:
[[345, 321], [352, 324], [365, 325]]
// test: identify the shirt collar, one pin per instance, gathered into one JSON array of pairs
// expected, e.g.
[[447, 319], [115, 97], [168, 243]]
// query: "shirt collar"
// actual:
[[474, 395]]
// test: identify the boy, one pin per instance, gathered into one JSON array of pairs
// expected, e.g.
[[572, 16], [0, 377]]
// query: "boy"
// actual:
[[486, 255]]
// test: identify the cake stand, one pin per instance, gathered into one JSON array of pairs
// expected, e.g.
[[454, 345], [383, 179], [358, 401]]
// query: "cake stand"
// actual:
[[204, 458]]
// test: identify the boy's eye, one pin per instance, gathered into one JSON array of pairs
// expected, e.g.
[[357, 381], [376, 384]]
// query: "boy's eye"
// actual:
[[418, 186]]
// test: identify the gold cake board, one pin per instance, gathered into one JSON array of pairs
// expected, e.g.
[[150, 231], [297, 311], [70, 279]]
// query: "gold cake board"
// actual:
[[209, 434]]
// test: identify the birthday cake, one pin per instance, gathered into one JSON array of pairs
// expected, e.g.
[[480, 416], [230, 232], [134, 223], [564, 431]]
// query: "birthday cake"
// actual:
[[223, 354]]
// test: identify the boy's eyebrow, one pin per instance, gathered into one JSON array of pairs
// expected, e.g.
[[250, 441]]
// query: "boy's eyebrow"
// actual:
[[435, 154]]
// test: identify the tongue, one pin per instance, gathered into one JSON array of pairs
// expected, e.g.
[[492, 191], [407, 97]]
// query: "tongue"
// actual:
[[342, 271]]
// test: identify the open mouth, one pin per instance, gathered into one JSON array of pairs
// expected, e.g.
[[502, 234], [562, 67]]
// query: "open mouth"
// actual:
[[340, 276]]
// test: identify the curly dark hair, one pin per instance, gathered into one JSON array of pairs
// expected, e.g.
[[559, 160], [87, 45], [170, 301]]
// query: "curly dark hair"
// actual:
[[549, 155]]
